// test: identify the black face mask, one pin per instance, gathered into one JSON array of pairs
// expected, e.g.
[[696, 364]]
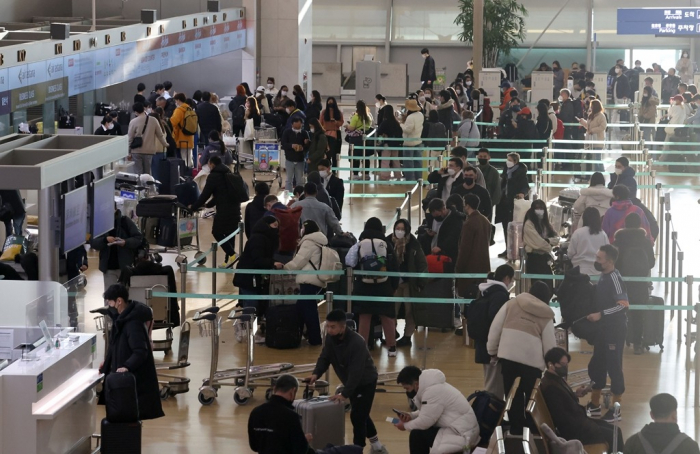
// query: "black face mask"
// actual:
[[598, 266], [483, 162], [439, 218], [562, 371], [469, 181], [411, 394], [515, 108]]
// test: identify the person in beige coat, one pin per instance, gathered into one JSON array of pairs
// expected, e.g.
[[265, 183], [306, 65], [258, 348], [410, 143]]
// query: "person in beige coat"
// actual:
[[308, 257], [148, 129], [595, 125], [596, 195]]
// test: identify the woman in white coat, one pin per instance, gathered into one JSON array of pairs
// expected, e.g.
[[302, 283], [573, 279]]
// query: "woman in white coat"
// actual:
[[308, 257], [586, 241], [444, 422], [596, 195]]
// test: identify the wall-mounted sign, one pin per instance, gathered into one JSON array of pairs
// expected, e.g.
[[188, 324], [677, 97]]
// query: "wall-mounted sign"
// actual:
[[658, 21]]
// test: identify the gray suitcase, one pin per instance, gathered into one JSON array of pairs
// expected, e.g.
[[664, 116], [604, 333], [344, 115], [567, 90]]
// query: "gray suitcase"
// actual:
[[323, 419]]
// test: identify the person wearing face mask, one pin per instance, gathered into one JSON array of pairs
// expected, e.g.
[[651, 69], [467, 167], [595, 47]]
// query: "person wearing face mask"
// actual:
[[685, 68], [149, 132], [676, 116], [508, 94], [492, 177], [314, 107], [334, 185], [493, 294], [514, 185], [347, 352], [538, 238], [462, 95], [446, 112], [595, 126], [520, 335], [570, 419], [262, 99], [280, 101], [332, 120], [130, 349], [624, 175], [443, 422], [475, 240], [412, 127], [647, 109], [443, 230], [447, 178], [270, 87], [295, 143], [410, 259], [506, 127], [106, 127], [469, 186], [318, 144], [612, 304], [558, 79], [621, 92], [380, 103], [389, 128], [669, 86]]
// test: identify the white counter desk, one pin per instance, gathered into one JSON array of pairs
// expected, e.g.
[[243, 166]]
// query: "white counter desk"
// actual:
[[47, 406]]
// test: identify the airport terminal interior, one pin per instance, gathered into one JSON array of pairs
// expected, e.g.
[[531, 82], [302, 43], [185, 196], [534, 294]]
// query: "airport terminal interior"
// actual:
[[578, 91]]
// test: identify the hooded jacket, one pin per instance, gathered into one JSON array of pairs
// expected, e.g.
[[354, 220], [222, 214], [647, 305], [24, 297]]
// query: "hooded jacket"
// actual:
[[659, 436], [636, 259], [468, 133], [275, 428], [130, 347], [626, 178], [310, 248], [614, 218], [522, 331], [257, 254], [445, 116], [444, 406], [497, 295], [254, 211], [317, 149], [598, 197], [583, 248]]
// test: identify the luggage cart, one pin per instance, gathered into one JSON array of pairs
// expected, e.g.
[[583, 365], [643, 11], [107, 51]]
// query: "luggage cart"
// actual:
[[267, 157], [186, 223], [245, 379], [171, 385]]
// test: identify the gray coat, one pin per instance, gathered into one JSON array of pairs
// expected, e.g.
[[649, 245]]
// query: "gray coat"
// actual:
[[320, 213]]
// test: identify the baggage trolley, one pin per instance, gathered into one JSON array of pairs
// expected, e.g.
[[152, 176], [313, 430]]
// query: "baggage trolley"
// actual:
[[267, 157], [244, 379], [171, 385], [187, 225]]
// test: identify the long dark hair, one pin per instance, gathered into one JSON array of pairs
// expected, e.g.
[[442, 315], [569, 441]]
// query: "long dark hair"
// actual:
[[543, 227], [317, 99], [215, 137], [453, 96], [389, 116], [279, 93], [361, 110], [542, 112], [298, 91], [333, 107], [645, 100], [592, 220]]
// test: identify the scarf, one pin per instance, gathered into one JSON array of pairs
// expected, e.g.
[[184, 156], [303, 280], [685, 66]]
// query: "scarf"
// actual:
[[509, 171], [400, 246]]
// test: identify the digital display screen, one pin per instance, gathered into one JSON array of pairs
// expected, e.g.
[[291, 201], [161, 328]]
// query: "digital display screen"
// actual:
[[103, 205], [75, 218]]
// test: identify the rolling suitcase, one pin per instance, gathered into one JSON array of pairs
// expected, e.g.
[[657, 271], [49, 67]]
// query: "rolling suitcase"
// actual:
[[120, 438], [167, 234], [283, 284], [169, 172], [440, 316], [121, 403], [654, 324], [282, 327], [187, 192], [323, 419], [160, 206]]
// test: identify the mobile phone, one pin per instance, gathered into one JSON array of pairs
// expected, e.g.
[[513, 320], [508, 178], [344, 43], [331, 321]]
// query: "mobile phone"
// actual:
[[589, 388], [399, 413], [577, 118]]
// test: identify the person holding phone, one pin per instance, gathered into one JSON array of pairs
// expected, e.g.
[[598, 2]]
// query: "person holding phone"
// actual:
[[444, 421], [570, 418], [117, 248]]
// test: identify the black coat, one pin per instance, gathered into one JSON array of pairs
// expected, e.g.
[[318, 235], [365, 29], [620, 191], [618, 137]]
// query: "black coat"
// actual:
[[336, 189], [527, 130], [428, 73], [636, 259], [313, 111], [621, 87], [254, 211], [14, 198], [436, 177], [275, 428], [130, 347], [125, 229], [209, 118], [449, 235], [485, 207], [225, 196], [289, 138], [497, 296], [653, 224], [258, 255], [8, 273], [517, 184], [148, 268]]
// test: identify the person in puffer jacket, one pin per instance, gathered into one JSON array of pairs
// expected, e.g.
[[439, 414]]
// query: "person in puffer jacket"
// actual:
[[308, 257], [444, 422], [520, 335], [622, 207], [596, 196]]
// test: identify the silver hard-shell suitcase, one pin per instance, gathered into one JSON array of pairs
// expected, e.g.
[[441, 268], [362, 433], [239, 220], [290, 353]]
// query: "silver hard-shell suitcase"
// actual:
[[323, 419]]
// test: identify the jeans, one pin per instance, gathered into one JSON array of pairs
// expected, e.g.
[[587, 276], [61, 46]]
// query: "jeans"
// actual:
[[247, 292], [142, 163], [528, 376], [362, 425], [295, 174], [412, 151], [607, 359], [420, 441], [155, 162], [14, 226], [111, 277], [308, 314]]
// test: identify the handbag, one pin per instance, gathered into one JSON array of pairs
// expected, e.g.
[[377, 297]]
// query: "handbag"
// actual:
[[137, 142], [249, 131], [520, 207]]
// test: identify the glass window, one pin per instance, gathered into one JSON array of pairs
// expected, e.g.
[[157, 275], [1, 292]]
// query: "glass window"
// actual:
[[418, 20], [360, 20]]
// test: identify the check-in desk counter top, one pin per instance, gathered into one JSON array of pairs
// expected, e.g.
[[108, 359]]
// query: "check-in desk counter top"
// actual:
[[49, 405]]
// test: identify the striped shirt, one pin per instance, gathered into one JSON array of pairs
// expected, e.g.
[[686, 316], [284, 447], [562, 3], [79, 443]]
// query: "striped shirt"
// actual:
[[609, 291]]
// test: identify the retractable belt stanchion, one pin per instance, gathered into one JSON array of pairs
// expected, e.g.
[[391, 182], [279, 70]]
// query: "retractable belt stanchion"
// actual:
[[351, 153], [680, 293], [688, 322], [420, 201], [667, 247], [348, 303], [214, 249], [660, 239], [183, 289], [241, 229], [408, 206], [674, 246]]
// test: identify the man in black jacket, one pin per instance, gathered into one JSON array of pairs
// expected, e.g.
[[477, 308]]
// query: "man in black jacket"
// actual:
[[227, 192], [469, 186], [117, 248], [445, 230], [447, 179], [209, 118], [570, 418], [427, 76], [505, 124], [295, 143], [347, 352], [334, 185]]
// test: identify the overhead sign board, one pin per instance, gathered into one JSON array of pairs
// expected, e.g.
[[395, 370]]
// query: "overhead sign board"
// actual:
[[658, 21]]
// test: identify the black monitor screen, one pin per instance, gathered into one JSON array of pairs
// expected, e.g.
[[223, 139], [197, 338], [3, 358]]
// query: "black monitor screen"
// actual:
[[103, 206], [75, 218]]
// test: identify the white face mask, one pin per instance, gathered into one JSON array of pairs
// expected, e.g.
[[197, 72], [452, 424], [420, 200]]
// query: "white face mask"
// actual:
[[618, 171], [296, 130], [685, 55], [539, 213], [270, 86], [110, 126], [560, 99], [311, 130], [459, 92], [149, 111], [469, 82], [399, 233], [451, 172], [323, 173], [617, 70], [289, 111], [284, 92], [377, 105], [421, 98], [509, 164]]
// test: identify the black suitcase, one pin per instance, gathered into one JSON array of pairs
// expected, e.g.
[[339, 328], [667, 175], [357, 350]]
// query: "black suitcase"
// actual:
[[187, 192], [654, 324], [167, 234], [432, 315], [160, 206], [169, 172], [120, 438], [282, 327], [121, 403]]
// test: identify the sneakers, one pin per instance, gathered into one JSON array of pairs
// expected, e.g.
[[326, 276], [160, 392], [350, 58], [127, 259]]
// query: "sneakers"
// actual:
[[229, 262], [503, 255], [404, 342], [610, 416], [392, 352], [638, 350], [593, 412], [381, 450], [240, 331]]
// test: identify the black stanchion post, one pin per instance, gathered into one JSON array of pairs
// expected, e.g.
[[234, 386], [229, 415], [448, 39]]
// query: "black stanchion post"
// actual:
[[680, 293], [667, 249], [351, 154], [408, 207], [241, 231], [420, 201], [660, 239], [183, 290], [689, 320], [350, 273], [214, 248]]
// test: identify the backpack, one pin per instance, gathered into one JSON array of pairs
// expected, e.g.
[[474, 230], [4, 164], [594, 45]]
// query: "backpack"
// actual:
[[487, 408], [330, 261], [559, 134], [238, 115], [437, 131], [478, 322], [240, 187], [289, 227], [189, 122], [376, 261]]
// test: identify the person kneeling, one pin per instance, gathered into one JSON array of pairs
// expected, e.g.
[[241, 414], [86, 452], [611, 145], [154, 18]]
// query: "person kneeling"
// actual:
[[444, 422]]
